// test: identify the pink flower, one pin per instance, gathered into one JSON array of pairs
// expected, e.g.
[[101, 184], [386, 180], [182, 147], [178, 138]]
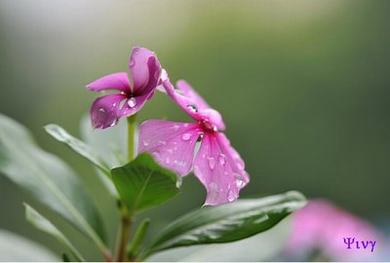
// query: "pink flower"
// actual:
[[322, 226], [145, 71], [216, 164]]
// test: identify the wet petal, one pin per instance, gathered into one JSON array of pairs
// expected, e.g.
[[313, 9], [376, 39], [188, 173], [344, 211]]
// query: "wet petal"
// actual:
[[145, 70], [171, 143], [117, 81], [104, 110], [132, 105], [189, 92], [193, 104], [218, 171]]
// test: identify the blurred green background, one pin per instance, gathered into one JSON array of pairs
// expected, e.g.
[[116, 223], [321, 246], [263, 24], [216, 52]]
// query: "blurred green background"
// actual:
[[303, 87]]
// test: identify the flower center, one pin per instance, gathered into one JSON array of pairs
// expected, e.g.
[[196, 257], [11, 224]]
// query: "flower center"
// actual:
[[207, 126]]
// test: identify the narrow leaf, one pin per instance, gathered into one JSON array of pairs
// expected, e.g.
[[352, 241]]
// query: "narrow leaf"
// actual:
[[77, 145], [227, 223], [43, 224], [48, 179], [142, 183]]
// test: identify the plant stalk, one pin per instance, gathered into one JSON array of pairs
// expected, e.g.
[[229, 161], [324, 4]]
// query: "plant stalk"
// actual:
[[134, 247], [131, 129], [124, 238], [126, 217]]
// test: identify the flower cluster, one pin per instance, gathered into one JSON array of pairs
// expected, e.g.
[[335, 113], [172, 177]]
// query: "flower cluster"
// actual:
[[215, 163]]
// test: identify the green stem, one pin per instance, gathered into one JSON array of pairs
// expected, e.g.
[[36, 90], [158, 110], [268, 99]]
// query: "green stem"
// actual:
[[124, 233], [133, 248], [131, 128], [126, 216]]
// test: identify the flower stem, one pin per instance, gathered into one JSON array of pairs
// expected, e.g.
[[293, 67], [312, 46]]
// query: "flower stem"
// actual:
[[134, 246], [126, 216], [124, 233], [131, 128]]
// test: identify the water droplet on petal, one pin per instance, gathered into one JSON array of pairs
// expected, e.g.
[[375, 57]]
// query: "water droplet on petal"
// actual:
[[102, 110], [240, 183], [186, 136], [192, 108], [211, 162], [132, 102], [132, 63], [231, 196], [222, 159], [145, 143]]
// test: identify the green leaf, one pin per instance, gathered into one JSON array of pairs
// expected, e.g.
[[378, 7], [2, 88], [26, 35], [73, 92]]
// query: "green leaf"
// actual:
[[272, 242], [48, 179], [142, 183], [43, 224], [227, 223], [78, 146], [15, 248]]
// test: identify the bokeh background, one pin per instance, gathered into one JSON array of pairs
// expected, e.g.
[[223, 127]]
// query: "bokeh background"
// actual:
[[303, 87]]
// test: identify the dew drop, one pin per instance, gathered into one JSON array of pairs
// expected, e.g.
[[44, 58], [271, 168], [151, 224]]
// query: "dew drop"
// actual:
[[186, 136], [211, 162], [132, 63], [145, 143], [222, 159], [192, 108], [240, 183], [131, 102], [102, 110], [231, 196]]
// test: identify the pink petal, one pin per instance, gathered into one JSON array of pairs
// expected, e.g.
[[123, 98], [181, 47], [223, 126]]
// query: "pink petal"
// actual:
[[104, 110], [217, 168], [132, 105], [171, 143], [189, 92], [193, 104], [145, 71], [117, 81]]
